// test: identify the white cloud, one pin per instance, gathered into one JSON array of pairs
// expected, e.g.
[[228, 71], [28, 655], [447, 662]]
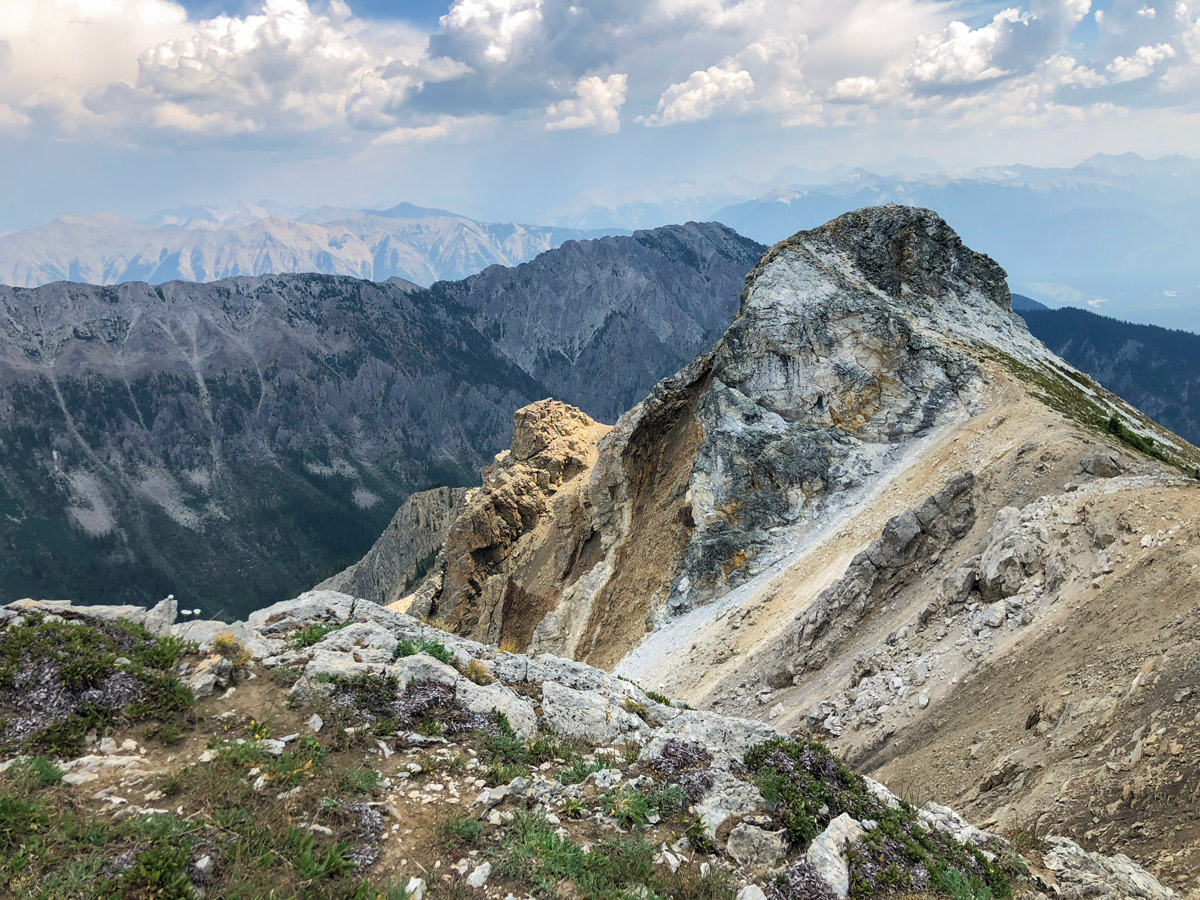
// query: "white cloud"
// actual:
[[446, 127], [1144, 62], [11, 120], [597, 104], [492, 29], [141, 64], [704, 92], [314, 74], [856, 88], [962, 55]]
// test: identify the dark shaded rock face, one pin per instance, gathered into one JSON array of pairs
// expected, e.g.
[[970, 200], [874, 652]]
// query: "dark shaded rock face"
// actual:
[[600, 322], [406, 553]]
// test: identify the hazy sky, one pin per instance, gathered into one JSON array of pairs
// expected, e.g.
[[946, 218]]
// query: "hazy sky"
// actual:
[[523, 108]]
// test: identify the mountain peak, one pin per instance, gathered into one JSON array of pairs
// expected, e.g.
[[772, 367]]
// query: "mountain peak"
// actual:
[[903, 252]]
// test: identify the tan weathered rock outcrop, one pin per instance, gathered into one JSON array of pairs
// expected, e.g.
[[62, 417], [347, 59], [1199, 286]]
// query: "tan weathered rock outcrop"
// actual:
[[519, 535]]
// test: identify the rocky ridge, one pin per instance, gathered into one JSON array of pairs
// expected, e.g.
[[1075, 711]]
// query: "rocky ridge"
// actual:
[[643, 769], [601, 322], [499, 572], [855, 343], [881, 511]]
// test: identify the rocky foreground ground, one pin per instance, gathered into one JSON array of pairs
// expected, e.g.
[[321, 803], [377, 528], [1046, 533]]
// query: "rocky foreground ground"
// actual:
[[329, 747]]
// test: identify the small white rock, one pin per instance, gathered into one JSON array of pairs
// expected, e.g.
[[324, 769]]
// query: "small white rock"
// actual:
[[479, 877]]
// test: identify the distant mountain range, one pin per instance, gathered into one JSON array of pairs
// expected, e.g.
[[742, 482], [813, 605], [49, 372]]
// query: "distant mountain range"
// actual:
[[206, 244], [1114, 234], [233, 442]]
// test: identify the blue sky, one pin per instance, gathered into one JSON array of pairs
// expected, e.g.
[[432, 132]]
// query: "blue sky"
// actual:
[[527, 109]]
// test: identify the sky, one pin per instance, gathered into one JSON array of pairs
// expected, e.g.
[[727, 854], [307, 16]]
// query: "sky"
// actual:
[[526, 109]]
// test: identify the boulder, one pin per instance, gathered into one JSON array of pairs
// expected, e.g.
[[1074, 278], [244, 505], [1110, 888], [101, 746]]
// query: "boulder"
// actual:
[[367, 641], [1082, 874], [727, 738], [589, 715], [729, 796], [210, 673], [1102, 463], [159, 619], [1011, 557], [755, 847], [827, 853], [485, 698]]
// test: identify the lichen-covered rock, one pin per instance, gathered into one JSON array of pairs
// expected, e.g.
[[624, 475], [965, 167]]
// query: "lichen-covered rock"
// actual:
[[1082, 874], [590, 716], [755, 847], [727, 797], [484, 699], [728, 739], [209, 674]]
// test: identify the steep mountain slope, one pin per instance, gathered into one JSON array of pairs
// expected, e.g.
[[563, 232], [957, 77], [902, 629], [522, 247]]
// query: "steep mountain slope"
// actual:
[[1155, 369], [600, 322], [410, 242], [881, 510], [229, 442], [399, 560]]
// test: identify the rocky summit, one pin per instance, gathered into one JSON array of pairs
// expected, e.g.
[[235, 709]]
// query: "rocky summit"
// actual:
[[881, 513]]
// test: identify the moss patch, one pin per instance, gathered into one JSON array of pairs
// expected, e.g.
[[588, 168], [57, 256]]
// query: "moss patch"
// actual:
[[61, 678], [808, 787]]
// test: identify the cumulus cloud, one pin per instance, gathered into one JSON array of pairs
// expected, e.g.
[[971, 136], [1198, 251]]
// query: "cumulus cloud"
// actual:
[[701, 95], [962, 55], [1015, 42], [1144, 62], [597, 104], [287, 69], [856, 88], [490, 30]]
